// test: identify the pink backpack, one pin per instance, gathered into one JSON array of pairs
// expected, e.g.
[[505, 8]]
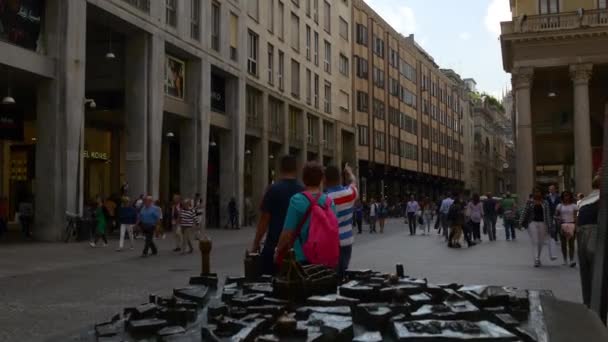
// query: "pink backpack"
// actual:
[[323, 244]]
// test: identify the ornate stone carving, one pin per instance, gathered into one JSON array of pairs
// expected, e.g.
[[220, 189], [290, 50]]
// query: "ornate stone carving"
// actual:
[[522, 77], [581, 73]]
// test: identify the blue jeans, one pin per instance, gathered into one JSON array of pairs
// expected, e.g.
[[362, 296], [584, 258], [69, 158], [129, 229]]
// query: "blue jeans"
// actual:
[[509, 229], [345, 254]]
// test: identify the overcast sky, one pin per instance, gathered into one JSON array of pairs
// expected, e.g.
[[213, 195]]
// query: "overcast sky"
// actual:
[[460, 35]]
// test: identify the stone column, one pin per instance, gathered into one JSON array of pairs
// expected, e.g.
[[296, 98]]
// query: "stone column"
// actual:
[[156, 99], [189, 133], [261, 157], [522, 83], [339, 156], [583, 163], [136, 109], [60, 120], [239, 126], [204, 116]]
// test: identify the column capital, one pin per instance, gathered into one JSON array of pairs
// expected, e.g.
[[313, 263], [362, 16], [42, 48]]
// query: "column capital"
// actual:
[[581, 73], [522, 77]]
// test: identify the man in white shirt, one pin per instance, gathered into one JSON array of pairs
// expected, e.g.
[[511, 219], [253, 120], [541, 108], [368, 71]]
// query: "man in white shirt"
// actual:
[[443, 214], [411, 210], [373, 211]]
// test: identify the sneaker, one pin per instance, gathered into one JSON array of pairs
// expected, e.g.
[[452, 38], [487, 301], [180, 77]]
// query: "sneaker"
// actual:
[[553, 258], [572, 263], [119, 249], [536, 263], [457, 245], [177, 249], [131, 248], [92, 244]]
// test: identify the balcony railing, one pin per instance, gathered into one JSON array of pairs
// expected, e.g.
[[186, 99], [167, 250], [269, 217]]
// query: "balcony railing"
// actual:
[[556, 21]]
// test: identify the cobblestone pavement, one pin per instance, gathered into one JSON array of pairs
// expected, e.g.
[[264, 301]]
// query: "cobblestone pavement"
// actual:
[[49, 291]]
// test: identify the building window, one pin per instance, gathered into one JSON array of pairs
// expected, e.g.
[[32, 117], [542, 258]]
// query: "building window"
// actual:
[[308, 8], [344, 65], [175, 73], [281, 72], [362, 101], [379, 110], [393, 116], [270, 22], [316, 49], [344, 101], [327, 60], [361, 34], [312, 129], [327, 16], [215, 26], [548, 6], [270, 64], [171, 12], [308, 87], [393, 58], [379, 143], [295, 78], [343, 29], [234, 36], [393, 145], [379, 46], [281, 20], [363, 135], [394, 87], [602, 3], [295, 32], [315, 10], [253, 9], [327, 100], [378, 78], [308, 41], [252, 56], [316, 91], [362, 67], [328, 133], [195, 19], [143, 5]]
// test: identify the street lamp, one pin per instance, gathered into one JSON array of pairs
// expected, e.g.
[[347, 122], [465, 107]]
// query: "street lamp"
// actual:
[[8, 99]]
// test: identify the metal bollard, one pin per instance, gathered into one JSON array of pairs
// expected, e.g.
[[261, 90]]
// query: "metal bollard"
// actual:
[[205, 246]]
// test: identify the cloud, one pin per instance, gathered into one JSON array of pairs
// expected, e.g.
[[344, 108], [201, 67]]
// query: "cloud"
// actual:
[[464, 36], [498, 11], [400, 17]]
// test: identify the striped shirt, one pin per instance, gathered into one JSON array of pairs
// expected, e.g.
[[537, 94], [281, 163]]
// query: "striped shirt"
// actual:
[[187, 217], [344, 198]]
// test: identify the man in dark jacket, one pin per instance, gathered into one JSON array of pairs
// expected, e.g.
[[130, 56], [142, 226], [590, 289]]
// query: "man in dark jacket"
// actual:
[[490, 216], [554, 199]]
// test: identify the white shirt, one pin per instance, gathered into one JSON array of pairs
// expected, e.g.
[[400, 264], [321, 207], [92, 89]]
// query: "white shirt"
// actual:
[[566, 212], [412, 207], [372, 209], [445, 205]]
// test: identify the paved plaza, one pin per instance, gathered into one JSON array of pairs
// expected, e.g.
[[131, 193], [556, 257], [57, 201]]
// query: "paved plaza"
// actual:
[[49, 291]]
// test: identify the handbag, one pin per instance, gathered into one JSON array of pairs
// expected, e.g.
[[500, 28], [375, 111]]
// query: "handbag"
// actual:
[[568, 229]]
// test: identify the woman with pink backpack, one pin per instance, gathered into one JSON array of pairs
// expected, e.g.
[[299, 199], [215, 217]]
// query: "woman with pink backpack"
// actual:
[[311, 226]]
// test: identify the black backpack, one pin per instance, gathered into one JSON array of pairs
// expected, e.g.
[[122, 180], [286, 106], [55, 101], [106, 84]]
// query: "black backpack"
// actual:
[[453, 211]]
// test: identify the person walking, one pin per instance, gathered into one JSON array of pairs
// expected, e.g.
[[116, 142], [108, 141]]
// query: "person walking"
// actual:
[[508, 207], [344, 198], [428, 211], [587, 236], [127, 217], [456, 217], [490, 215], [187, 220], [382, 214], [26, 216], [149, 216], [443, 215], [198, 208], [101, 216], [175, 214], [373, 211], [475, 213], [412, 209], [297, 222], [553, 199], [565, 216], [537, 218], [359, 216], [233, 214], [273, 211]]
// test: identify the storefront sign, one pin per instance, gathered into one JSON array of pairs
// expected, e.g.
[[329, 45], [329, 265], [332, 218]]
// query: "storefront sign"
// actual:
[[218, 93], [11, 123], [95, 155], [20, 22], [175, 71]]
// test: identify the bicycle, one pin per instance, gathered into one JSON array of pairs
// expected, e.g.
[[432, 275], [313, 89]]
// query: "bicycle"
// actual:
[[71, 229]]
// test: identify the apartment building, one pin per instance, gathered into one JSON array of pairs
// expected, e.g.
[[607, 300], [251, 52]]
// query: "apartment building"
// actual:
[[557, 54], [408, 113], [298, 94]]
